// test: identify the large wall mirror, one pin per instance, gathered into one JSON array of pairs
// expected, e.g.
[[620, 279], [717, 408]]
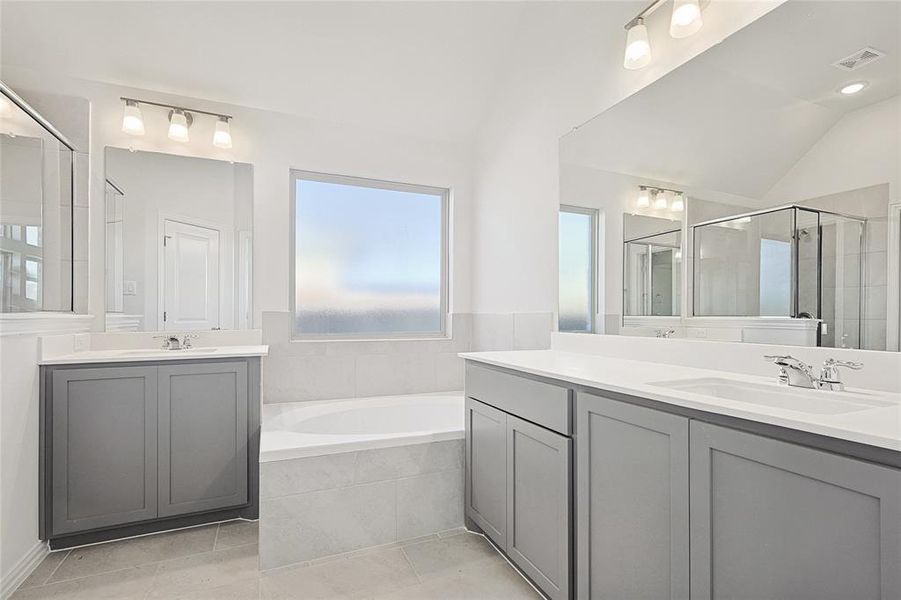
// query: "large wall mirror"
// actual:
[[179, 245], [753, 193]]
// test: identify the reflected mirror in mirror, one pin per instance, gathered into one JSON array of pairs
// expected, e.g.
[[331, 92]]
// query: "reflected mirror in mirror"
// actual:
[[789, 191], [652, 272], [179, 242], [36, 225]]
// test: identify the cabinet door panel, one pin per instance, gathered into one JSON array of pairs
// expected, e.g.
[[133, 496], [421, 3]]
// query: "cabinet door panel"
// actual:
[[486, 469], [104, 442], [538, 505], [202, 437], [776, 520], [632, 521]]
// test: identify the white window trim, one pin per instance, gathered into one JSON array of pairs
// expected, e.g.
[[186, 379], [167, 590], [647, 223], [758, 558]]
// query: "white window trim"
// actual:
[[299, 174]]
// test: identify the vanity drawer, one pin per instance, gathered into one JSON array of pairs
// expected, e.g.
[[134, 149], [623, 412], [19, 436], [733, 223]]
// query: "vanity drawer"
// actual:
[[541, 403]]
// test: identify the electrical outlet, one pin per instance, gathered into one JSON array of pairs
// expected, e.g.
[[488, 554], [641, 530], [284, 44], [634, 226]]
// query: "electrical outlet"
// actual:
[[698, 333]]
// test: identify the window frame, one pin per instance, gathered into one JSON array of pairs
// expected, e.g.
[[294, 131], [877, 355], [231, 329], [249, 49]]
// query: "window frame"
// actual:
[[296, 175], [594, 216]]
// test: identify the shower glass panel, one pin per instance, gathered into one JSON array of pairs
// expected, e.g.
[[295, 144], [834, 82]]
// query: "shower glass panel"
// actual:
[[652, 275], [793, 262]]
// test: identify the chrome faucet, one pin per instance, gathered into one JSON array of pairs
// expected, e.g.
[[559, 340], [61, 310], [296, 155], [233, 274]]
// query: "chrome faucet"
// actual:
[[171, 342], [664, 333], [797, 373]]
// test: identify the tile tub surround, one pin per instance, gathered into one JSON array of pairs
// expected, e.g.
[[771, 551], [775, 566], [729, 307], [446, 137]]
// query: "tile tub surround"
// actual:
[[321, 506], [305, 370], [219, 562]]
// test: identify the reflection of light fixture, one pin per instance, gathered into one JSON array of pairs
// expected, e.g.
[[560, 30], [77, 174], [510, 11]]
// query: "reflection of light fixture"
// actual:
[[852, 88], [6, 107], [686, 18], [132, 120], [677, 255], [638, 48], [678, 204], [660, 202], [222, 137], [178, 125], [644, 199]]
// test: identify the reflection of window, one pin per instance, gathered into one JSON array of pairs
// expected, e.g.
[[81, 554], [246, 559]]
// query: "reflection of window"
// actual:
[[368, 257], [32, 235], [32, 279], [577, 235], [775, 278]]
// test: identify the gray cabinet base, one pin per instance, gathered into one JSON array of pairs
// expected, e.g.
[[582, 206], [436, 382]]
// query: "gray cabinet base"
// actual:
[[250, 513]]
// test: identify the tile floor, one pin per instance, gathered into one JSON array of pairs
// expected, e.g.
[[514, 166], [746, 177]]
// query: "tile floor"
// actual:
[[219, 562]]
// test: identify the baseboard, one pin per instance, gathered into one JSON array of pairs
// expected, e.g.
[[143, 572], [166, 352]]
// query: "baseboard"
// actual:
[[23, 569]]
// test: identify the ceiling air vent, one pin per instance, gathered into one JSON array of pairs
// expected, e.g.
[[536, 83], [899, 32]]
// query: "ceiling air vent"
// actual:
[[859, 59]]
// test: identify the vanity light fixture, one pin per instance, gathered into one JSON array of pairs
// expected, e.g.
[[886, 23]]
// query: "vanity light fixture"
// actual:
[[644, 199], [686, 19], [660, 202], [638, 48], [222, 137], [678, 204], [180, 120], [852, 88], [132, 120], [178, 125]]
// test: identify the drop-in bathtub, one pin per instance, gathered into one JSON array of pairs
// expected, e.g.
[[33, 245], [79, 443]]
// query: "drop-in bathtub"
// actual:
[[342, 475], [299, 429]]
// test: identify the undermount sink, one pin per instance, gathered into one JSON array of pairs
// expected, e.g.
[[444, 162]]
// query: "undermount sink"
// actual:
[[796, 399]]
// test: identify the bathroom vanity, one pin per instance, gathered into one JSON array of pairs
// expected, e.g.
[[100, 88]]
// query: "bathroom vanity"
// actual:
[[137, 441], [601, 478]]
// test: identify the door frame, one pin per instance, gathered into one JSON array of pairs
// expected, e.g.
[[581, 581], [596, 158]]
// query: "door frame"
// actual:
[[893, 291], [224, 239]]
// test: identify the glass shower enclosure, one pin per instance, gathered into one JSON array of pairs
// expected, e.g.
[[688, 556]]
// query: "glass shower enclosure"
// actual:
[[792, 261]]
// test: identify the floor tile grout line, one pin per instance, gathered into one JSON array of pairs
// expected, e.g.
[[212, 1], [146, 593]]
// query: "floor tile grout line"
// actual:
[[154, 563], [56, 568], [412, 566], [216, 537]]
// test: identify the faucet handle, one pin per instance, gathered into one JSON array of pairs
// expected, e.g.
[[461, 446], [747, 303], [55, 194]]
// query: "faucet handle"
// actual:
[[848, 364]]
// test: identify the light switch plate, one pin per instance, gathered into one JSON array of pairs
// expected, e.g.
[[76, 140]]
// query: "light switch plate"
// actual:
[[130, 288]]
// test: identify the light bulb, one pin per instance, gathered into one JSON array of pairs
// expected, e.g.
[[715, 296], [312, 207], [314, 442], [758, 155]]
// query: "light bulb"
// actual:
[[222, 137], [638, 48], [178, 126], [686, 18], [678, 204], [660, 200], [132, 120], [644, 199]]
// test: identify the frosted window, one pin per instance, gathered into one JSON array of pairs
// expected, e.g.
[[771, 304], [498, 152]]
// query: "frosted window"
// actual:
[[775, 278], [576, 270], [368, 258]]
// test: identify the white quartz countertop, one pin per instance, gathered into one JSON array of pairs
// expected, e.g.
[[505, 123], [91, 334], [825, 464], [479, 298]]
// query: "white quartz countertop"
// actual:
[[877, 426], [152, 354]]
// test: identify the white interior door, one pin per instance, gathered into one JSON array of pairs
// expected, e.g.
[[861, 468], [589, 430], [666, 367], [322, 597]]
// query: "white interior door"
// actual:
[[191, 277]]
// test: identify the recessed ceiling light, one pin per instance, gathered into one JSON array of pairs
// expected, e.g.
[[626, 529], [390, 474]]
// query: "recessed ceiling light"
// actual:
[[853, 88]]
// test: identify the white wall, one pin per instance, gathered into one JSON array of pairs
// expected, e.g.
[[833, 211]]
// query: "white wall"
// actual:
[[568, 73]]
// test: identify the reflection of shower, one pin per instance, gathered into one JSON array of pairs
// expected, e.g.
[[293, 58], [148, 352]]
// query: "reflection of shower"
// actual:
[[792, 261]]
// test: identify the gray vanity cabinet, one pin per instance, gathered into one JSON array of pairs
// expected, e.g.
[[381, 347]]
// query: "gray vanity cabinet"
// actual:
[[202, 437], [519, 472], [104, 469], [538, 505], [486, 469], [771, 519], [632, 523], [128, 449]]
